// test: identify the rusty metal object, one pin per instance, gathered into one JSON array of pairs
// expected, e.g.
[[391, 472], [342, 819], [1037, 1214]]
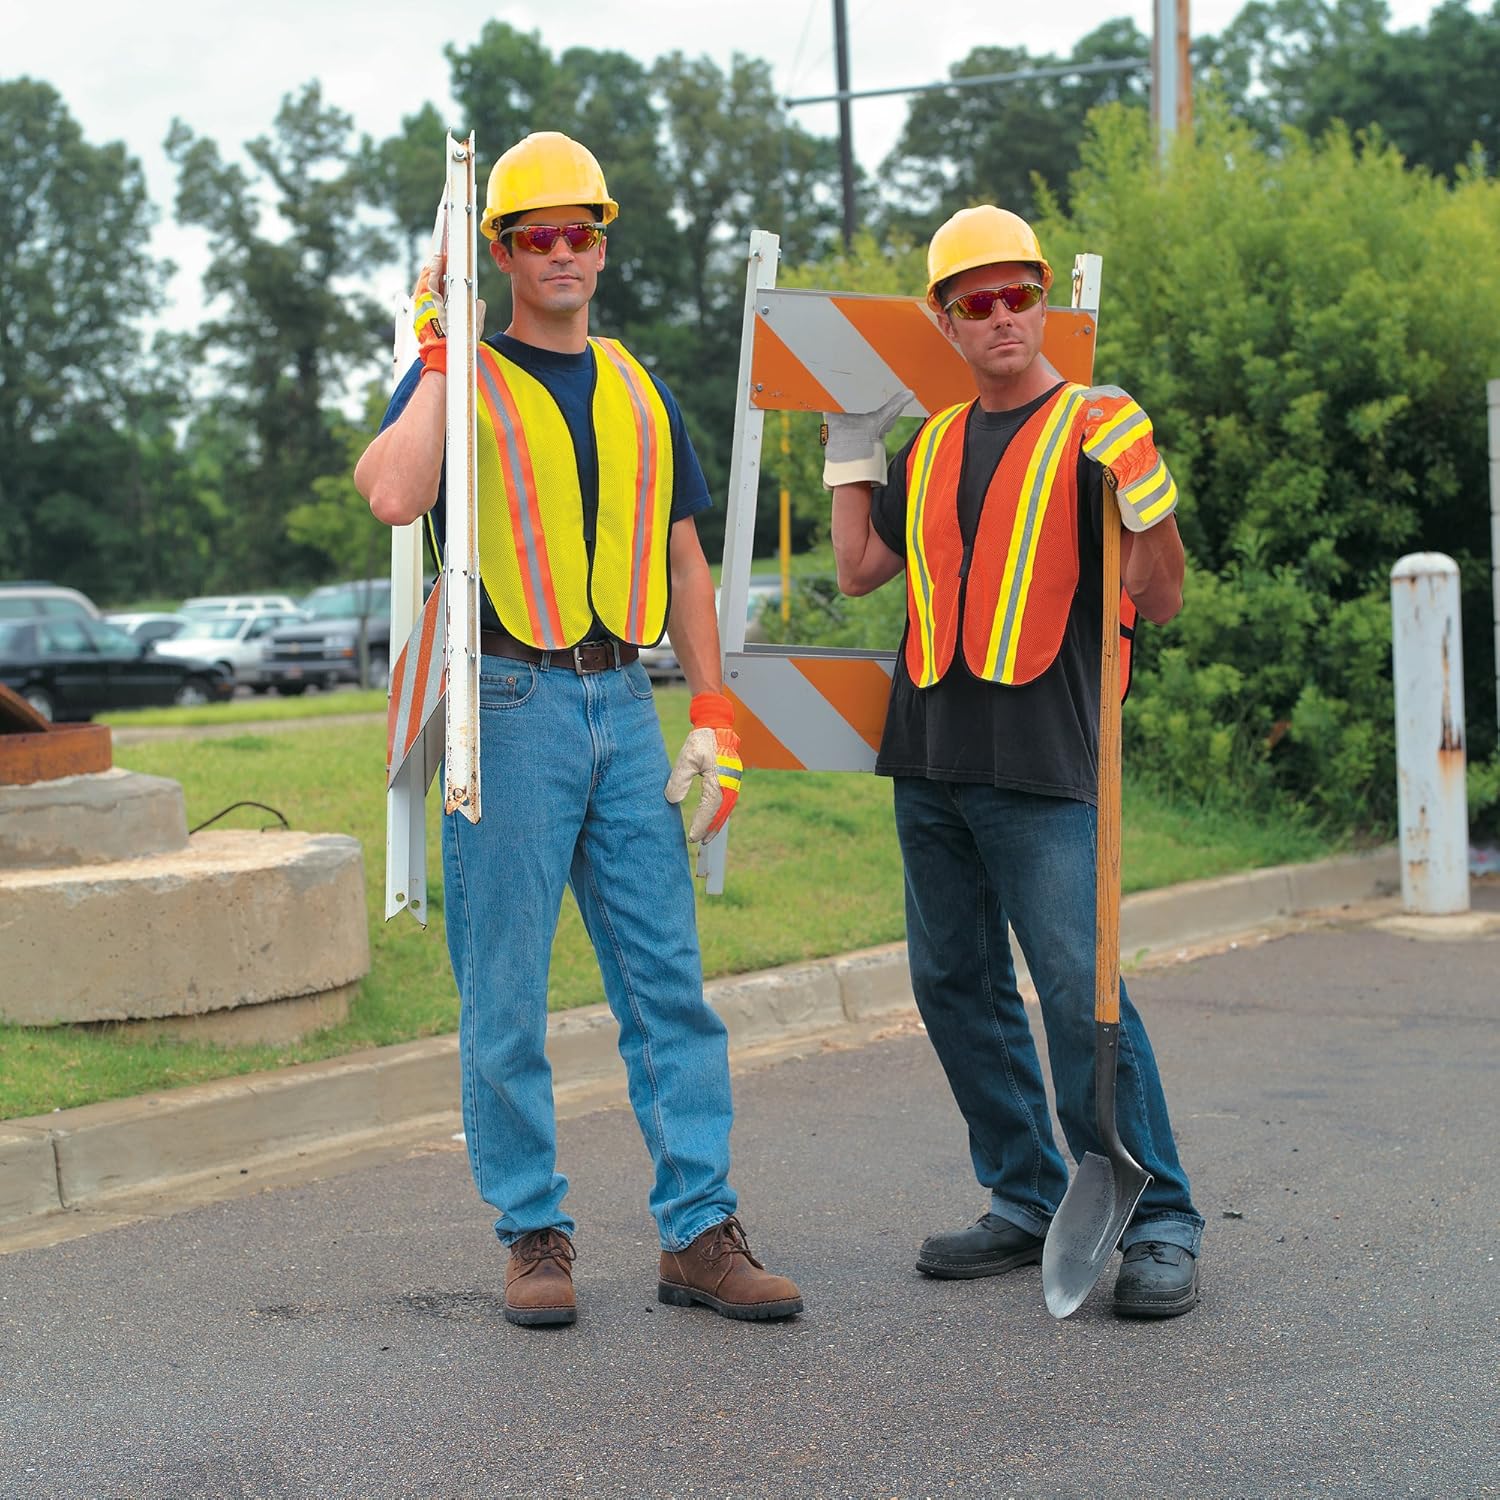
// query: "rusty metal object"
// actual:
[[31, 749]]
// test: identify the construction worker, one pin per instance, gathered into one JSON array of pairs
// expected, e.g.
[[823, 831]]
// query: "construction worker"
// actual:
[[993, 510], [588, 486]]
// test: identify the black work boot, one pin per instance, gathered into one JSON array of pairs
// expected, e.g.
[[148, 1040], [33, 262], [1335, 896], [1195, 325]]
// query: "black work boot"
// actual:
[[986, 1248], [1156, 1281]]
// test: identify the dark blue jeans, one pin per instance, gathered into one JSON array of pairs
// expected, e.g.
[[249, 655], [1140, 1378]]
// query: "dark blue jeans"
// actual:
[[978, 858]]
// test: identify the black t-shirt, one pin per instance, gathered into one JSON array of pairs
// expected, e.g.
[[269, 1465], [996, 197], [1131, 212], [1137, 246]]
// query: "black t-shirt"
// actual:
[[1041, 736]]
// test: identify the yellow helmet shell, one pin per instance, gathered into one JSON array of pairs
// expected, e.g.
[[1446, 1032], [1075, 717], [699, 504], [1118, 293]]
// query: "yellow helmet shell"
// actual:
[[980, 237], [546, 170]]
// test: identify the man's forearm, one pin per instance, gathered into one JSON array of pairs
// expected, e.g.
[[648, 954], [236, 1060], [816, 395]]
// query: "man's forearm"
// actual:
[[693, 624], [863, 561], [399, 472], [1152, 568]]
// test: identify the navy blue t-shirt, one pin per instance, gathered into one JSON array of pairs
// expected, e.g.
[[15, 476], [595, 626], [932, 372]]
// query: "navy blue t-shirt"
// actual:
[[569, 378]]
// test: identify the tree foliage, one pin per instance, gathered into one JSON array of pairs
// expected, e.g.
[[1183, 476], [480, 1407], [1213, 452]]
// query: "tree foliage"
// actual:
[[1311, 330], [987, 142], [286, 330]]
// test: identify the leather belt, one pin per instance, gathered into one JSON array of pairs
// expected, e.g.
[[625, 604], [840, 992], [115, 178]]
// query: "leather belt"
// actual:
[[585, 657]]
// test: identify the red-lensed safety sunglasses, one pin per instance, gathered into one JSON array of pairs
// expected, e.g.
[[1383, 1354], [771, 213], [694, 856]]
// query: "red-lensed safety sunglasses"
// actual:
[[1015, 297], [540, 238]]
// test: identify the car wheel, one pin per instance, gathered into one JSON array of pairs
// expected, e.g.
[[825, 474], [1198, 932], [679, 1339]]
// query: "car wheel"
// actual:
[[291, 689], [192, 693], [40, 700], [380, 670]]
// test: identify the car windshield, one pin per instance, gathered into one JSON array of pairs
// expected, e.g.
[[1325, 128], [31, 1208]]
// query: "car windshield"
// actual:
[[347, 603], [214, 630]]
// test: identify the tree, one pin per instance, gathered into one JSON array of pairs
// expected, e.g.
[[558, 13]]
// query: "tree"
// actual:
[[1308, 63], [285, 335], [1311, 329], [76, 278], [986, 143]]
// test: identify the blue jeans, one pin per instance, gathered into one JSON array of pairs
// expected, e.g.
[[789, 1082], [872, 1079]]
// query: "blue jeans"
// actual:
[[573, 773], [978, 857]]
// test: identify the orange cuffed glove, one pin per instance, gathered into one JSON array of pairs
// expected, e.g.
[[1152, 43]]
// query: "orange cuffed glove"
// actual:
[[427, 319], [712, 751]]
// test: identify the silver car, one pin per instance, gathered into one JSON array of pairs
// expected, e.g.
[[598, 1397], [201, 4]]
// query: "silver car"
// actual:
[[237, 642]]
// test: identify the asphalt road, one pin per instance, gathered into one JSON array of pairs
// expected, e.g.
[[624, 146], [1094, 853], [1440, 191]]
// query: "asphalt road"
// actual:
[[1335, 1097]]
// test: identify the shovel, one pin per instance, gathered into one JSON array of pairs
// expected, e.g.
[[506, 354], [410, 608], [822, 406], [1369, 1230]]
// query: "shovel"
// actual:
[[1105, 1190]]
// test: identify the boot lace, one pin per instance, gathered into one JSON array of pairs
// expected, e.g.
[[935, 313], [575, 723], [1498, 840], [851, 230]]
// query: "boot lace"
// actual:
[[728, 1238], [544, 1244]]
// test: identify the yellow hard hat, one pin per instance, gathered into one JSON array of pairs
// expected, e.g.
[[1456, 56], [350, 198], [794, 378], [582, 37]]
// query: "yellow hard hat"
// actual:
[[546, 170], [980, 237]]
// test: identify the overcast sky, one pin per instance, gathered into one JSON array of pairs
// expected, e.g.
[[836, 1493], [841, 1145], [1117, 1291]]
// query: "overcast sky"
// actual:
[[126, 70]]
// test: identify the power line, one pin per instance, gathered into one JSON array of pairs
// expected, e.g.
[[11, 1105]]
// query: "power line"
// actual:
[[1025, 75]]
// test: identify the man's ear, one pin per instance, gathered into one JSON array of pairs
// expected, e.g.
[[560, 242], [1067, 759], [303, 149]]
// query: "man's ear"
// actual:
[[500, 255], [603, 245], [946, 324]]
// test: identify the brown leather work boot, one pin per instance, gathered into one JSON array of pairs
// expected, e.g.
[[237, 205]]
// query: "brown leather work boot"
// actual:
[[719, 1271], [539, 1279]]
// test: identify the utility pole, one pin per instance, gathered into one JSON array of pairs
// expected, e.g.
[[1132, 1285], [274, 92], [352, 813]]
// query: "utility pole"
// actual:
[[846, 135], [1171, 73]]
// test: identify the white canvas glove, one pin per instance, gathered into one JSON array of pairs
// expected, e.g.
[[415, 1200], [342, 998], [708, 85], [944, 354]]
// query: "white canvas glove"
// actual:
[[854, 448], [712, 751]]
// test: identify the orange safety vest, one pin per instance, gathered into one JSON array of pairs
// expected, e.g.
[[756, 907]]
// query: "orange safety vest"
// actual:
[[533, 559], [1023, 566]]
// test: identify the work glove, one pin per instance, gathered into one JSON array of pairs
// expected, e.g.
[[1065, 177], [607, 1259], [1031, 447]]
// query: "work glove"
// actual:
[[712, 751], [854, 442], [1117, 435], [427, 318]]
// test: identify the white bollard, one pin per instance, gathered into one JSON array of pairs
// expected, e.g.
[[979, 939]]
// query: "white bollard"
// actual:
[[1428, 660]]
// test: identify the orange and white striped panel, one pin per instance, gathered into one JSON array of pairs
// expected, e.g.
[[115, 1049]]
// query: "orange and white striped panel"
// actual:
[[418, 682], [846, 351], [809, 710]]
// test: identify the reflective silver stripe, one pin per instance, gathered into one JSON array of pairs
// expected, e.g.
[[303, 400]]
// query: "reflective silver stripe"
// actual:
[[510, 456], [1041, 486], [1111, 436], [1149, 488]]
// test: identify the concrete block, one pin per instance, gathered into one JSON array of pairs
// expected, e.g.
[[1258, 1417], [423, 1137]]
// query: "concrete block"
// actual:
[[28, 1173], [777, 1003], [128, 1144], [235, 919], [89, 820], [874, 983]]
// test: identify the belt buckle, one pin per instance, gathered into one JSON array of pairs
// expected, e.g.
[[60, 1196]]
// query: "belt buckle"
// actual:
[[614, 651]]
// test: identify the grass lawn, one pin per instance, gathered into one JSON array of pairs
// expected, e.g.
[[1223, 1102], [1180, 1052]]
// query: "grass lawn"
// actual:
[[813, 870]]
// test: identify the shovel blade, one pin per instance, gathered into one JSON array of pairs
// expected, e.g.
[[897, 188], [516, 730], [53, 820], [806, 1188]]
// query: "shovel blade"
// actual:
[[1086, 1228]]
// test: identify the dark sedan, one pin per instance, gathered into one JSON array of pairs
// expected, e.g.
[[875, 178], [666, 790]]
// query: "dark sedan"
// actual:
[[75, 668]]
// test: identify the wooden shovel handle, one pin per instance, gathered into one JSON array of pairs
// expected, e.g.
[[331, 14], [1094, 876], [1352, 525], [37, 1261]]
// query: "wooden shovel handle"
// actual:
[[1107, 873]]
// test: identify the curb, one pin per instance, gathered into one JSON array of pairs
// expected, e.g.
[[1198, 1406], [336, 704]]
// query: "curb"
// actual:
[[91, 1157]]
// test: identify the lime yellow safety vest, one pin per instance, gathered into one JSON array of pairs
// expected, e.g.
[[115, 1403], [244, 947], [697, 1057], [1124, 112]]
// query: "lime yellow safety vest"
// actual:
[[1023, 565], [533, 559]]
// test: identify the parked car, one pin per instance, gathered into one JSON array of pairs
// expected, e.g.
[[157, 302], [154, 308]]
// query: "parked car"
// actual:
[[19, 601], [73, 667], [146, 627], [239, 604], [236, 642], [660, 660], [324, 648]]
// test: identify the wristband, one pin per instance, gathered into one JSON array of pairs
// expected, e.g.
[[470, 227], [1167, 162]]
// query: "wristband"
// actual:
[[434, 356]]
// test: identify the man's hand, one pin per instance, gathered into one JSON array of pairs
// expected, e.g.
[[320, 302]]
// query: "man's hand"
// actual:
[[855, 443], [427, 308], [712, 751], [1117, 434]]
